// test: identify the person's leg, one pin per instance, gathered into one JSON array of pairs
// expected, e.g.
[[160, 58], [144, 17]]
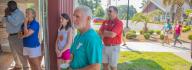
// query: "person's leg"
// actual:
[[30, 63], [13, 50], [35, 63], [178, 39], [114, 57], [59, 62], [105, 59], [34, 55], [165, 39], [105, 66], [175, 41], [19, 51]]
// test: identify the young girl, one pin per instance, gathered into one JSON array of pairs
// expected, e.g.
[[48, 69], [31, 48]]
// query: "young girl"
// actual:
[[177, 33], [64, 40]]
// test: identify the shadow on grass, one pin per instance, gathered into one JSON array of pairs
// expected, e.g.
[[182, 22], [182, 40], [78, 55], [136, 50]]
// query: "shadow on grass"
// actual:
[[127, 47], [140, 64]]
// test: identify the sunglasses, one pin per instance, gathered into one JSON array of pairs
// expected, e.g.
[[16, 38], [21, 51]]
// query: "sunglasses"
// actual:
[[109, 11]]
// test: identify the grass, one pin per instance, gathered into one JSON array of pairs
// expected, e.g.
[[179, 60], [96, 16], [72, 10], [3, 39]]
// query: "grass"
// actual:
[[151, 61]]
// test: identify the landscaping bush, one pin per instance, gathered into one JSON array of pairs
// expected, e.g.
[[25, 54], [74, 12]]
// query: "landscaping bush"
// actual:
[[158, 32], [131, 35], [151, 32], [141, 32], [186, 28], [190, 37], [161, 36], [132, 31], [147, 35]]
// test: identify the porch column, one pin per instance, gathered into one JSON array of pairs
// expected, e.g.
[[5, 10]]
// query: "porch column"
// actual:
[[55, 8]]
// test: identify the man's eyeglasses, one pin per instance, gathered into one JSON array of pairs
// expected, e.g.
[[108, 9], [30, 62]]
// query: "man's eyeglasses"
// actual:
[[109, 11]]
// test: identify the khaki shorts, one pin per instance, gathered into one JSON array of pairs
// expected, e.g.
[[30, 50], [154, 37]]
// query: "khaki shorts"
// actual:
[[111, 55]]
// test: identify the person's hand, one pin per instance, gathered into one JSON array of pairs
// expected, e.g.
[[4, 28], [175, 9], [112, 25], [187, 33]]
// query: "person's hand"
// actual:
[[57, 52], [7, 12], [60, 54], [20, 35], [26, 20]]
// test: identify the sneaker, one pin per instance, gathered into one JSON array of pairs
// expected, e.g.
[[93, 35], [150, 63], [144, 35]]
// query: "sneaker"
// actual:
[[124, 44]]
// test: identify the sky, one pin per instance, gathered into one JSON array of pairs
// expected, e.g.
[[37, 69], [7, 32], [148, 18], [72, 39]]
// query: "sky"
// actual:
[[135, 3]]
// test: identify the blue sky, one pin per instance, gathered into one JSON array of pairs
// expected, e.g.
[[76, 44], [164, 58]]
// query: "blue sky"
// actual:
[[135, 3]]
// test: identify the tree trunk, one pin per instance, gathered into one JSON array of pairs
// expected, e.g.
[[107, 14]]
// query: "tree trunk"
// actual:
[[179, 13], [145, 29], [172, 13]]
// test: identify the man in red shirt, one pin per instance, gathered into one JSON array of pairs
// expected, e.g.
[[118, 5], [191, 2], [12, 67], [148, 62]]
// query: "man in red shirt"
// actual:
[[111, 33]]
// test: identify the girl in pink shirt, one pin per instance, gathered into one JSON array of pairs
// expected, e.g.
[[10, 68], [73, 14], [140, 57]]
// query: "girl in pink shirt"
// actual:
[[177, 33]]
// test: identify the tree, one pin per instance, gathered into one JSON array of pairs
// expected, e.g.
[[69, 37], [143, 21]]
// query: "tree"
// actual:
[[140, 17], [99, 12], [144, 2], [146, 18], [92, 4], [175, 5], [123, 11]]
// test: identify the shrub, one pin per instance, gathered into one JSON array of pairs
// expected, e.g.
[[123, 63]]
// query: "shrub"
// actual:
[[132, 31], [161, 36], [190, 37], [131, 35], [151, 32], [158, 32], [147, 35], [186, 28], [141, 32]]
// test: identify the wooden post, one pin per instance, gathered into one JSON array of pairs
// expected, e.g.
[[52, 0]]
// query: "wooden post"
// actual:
[[55, 8]]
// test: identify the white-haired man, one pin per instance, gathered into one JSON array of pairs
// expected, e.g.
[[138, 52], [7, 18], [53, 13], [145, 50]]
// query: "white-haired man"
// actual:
[[86, 49]]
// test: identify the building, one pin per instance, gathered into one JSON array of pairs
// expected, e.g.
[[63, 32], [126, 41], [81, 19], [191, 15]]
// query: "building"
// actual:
[[158, 4]]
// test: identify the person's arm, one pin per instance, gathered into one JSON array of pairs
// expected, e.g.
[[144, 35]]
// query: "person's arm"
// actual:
[[15, 19], [69, 41], [27, 31], [56, 46], [109, 34], [117, 29]]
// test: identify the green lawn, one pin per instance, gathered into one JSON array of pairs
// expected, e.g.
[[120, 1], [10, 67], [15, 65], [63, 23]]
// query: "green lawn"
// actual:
[[151, 61]]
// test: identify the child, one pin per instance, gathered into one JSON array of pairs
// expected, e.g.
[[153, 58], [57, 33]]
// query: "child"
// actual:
[[177, 33], [64, 40]]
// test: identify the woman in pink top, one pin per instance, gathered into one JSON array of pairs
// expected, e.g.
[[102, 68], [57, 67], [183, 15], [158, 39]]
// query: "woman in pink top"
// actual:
[[64, 40], [177, 33]]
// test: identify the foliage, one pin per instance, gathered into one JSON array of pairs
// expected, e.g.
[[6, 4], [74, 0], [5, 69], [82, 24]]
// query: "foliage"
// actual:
[[161, 36], [99, 12], [122, 10], [131, 35], [151, 32], [186, 28], [147, 35], [158, 32], [190, 37], [141, 32]]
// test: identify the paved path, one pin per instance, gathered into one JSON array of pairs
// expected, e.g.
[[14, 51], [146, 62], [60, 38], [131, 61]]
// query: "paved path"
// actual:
[[183, 52]]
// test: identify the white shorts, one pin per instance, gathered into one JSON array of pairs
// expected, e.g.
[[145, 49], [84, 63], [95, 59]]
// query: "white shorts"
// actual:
[[111, 55], [32, 52]]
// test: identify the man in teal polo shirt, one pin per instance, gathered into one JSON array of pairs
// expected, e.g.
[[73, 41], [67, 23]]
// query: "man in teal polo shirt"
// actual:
[[87, 47]]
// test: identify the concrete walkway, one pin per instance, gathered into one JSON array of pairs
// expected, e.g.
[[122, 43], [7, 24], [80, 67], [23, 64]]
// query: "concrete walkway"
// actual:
[[183, 52]]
